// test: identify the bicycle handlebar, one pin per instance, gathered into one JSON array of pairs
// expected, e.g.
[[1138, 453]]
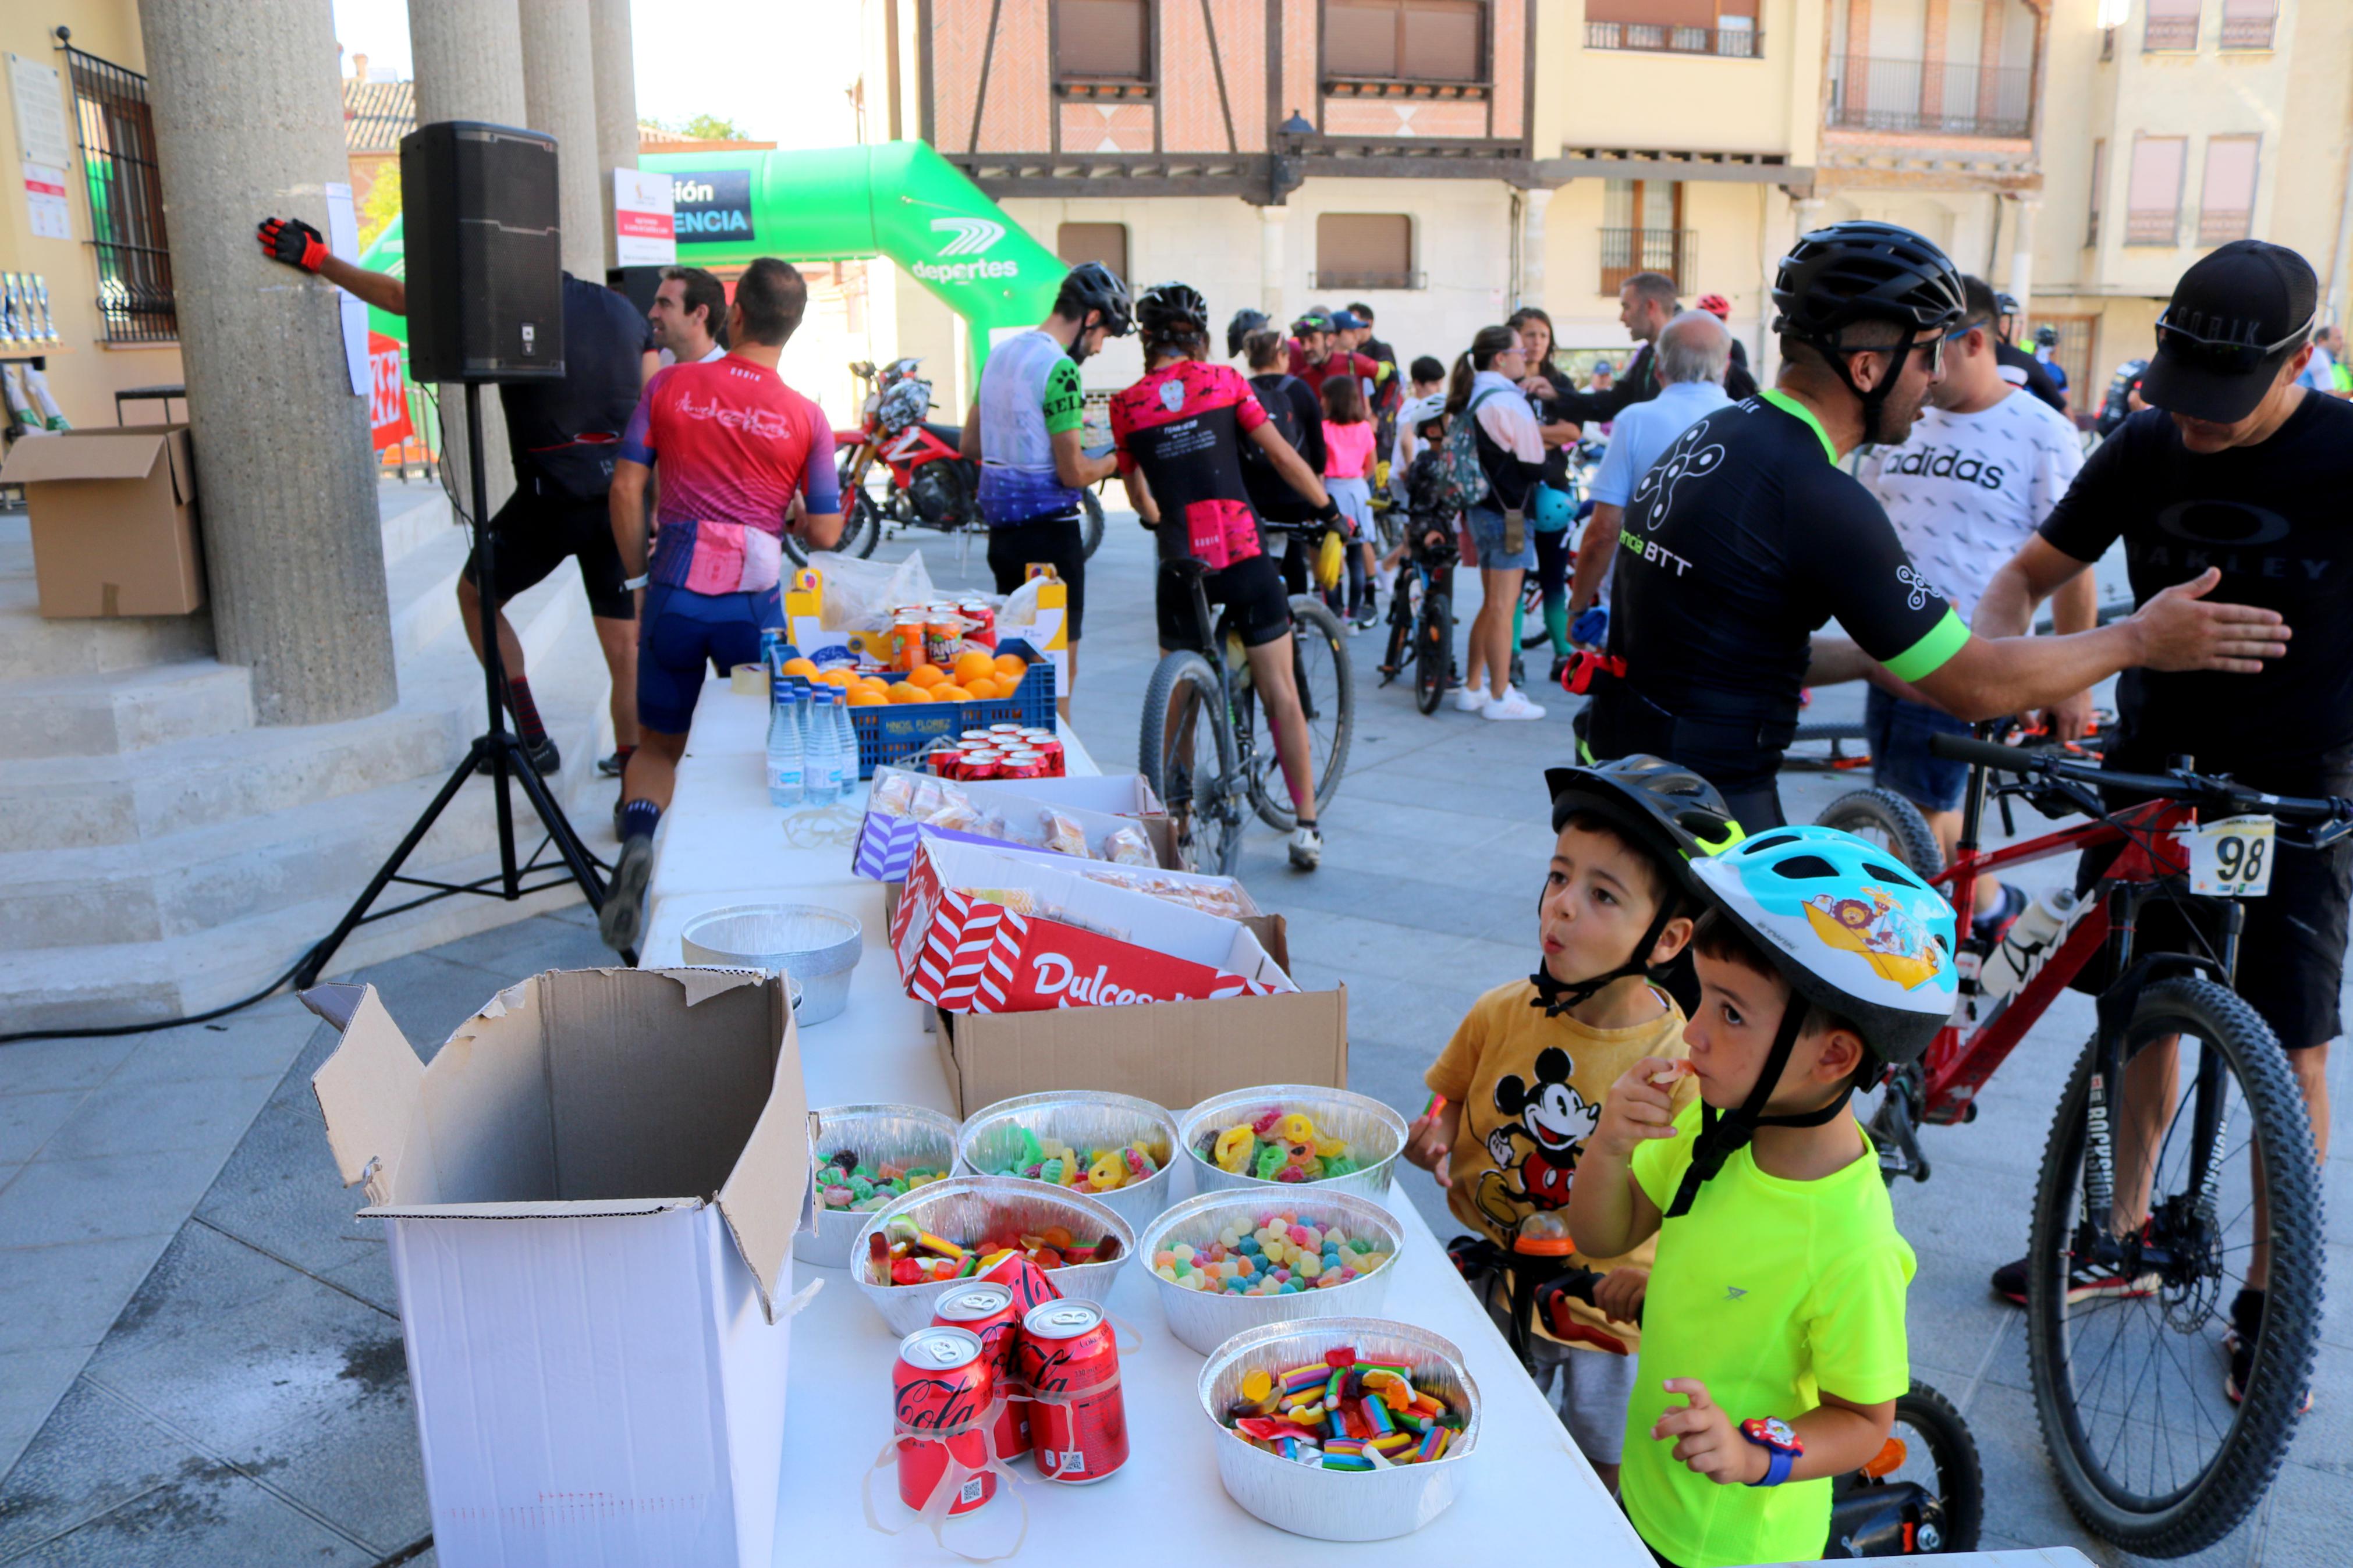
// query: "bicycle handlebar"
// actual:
[[2182, 784]]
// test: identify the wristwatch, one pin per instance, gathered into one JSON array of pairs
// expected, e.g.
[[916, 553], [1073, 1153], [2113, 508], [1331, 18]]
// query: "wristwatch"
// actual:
[[1779, 1442], [637, 582]]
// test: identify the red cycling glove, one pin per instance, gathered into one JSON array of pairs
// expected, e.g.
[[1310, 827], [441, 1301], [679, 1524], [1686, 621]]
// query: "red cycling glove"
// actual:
[[293, 242]]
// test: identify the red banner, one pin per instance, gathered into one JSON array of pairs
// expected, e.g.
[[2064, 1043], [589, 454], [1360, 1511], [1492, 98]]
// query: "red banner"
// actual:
[[387, 399]]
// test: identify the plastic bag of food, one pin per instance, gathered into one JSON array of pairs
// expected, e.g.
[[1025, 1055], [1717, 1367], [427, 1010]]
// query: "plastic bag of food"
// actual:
[[894, 793], [863, 596], [1128, 846], [1064, 836]]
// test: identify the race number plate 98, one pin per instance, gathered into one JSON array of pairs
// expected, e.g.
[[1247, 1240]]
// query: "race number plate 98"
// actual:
[[2232, 858]]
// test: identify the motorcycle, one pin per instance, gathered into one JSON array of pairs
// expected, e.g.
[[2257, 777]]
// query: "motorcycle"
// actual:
[[901, 471]]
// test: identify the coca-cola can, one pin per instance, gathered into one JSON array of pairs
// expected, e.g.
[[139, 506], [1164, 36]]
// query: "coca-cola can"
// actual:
[[1069, 1359], [1028, 1282], [980, 767], [985, 1308], [1010, 732], [1021, 765], [972, 738], [941, 1388], [980, 621]]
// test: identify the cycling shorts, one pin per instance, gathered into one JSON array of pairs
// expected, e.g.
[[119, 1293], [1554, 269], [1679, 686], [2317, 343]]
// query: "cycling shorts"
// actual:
[[686, 635], [2292, 946], [533, 534], [1251, 592], [1059, 541]]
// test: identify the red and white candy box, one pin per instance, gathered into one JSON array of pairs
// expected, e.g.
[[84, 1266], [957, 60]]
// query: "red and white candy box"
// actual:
[[981, 932]]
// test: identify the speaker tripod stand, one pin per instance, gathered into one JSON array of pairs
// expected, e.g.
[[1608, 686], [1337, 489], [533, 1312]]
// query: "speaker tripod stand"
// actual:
[[504, 750]]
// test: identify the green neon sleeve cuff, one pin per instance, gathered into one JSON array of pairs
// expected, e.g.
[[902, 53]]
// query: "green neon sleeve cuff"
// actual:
[[1930, 653]]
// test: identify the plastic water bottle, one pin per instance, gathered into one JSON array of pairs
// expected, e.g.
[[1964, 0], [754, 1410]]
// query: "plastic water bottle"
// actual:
[[785, 749], [847, 782], [2029, 941], [821, 765]]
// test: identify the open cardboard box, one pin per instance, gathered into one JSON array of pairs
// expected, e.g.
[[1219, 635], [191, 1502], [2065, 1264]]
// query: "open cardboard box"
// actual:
[[1171, 1053], [113, 516], [590, 1196]]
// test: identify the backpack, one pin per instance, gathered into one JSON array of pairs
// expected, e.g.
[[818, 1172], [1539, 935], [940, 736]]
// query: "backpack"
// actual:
[[1284, 417], [1462, 480]]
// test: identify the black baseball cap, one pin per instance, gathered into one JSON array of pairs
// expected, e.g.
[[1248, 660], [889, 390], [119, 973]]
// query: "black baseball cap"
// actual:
[[2235, 318]]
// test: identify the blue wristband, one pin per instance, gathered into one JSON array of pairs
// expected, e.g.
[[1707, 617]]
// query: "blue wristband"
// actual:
[[1776, 1468]]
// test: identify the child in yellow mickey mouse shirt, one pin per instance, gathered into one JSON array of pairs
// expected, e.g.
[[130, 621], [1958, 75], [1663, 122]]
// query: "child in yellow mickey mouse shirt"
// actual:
[[1523, 1081]]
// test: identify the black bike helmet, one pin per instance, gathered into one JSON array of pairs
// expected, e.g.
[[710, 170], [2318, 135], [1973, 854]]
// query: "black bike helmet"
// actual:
[[1314, 318], [1172, 313], [2005, 304], [1244, 323], [2046, 337], [1670, 811], [1092, 286], [1859, 271]]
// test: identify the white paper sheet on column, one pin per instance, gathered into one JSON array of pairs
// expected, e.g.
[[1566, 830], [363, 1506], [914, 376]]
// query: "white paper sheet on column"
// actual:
[[645, 224], [45, 199], [344, 239]]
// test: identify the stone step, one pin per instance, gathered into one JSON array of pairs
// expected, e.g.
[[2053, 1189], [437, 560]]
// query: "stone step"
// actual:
[[32, 648], [415, 512], [102, 715]]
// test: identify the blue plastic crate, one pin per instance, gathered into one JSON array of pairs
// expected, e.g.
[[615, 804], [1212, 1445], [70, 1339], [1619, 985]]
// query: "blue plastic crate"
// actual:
[[899, 731]]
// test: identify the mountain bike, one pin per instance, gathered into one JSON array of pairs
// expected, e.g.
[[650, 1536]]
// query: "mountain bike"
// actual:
[[1923, 1492], [1421, 623], [2180, 1148], [1202, 746]]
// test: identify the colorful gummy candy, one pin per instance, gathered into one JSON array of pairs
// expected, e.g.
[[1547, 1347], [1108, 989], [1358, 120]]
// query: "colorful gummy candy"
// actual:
[[1279, 1146], [1344, 1413], [904, 1253], [1283, 1256], [1096, 1171], [846, 1183]]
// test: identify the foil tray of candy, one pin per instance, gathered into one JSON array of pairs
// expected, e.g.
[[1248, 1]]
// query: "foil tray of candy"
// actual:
[[1381, 1500], [972, 1208], [1136, 1141], [910, 1139], [1206, 1319], [1367, 1134]]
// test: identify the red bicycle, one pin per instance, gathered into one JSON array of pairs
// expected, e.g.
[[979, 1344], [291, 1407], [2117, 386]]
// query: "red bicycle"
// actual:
[[2181, 1164]]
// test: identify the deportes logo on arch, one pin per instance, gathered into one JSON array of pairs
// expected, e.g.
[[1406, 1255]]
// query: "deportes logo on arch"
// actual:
[[967, 236]]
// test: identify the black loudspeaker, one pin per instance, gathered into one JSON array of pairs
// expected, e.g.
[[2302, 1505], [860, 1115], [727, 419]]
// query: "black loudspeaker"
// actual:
[[635, 284], [484, 236]]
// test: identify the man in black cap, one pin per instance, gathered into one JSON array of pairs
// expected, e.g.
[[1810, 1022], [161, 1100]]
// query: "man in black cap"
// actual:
[[2233, 469]]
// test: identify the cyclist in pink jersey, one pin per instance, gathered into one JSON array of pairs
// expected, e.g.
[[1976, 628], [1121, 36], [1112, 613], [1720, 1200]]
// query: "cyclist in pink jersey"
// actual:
[[737, 448]]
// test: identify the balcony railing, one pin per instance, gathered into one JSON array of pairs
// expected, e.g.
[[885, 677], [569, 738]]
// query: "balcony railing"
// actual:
[[2155, 227], [2247, 32], [1738, 42], [2169, 34], [1871, 94], [2221, 225], [1336, 278], [1626, 251]]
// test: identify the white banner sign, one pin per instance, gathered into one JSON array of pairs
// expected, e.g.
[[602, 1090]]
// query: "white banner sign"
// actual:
[[645, 226]]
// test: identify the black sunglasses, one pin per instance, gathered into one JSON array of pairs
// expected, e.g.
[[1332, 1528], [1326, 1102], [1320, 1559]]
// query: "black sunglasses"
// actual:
[[2226, 347]]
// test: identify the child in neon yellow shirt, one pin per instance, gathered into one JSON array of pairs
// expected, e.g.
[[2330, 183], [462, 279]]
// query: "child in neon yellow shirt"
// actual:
[[1774, 1344]]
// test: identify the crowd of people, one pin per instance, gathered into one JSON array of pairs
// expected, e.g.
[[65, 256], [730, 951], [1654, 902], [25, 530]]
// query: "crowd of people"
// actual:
[[1674, 1076]]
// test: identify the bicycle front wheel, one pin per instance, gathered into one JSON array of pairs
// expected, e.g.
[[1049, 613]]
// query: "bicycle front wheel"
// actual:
[[1326, 680], [1090, 524], [1186, 753], [1883, 818], [2159, 1445], [1433, 652]]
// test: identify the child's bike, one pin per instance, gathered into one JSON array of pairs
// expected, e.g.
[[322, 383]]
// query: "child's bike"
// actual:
[[2180, 1167], [1923, 1491], [1421, 623]]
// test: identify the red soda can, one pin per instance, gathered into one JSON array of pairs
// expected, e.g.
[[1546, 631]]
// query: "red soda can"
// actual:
[[986, 1309], [1021, 765], [972, 738], [1005, 731], [1028, 1282], [1069, 1359], [942, 1385], [980, 621], [979, 766]]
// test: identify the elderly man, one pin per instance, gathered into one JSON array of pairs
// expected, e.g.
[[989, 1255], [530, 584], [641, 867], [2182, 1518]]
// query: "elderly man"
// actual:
[[1693, 352]]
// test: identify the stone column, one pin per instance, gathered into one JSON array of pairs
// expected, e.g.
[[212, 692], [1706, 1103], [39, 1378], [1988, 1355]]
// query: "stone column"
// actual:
[[559, 88], [1533, 203], [2022, 264], [616, 101], [467, 55], [293, 545], [1273, 236]]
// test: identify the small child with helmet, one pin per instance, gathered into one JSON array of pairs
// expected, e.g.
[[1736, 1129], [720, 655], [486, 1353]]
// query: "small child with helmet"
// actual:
[[1775, 1347], [1521, 1086]]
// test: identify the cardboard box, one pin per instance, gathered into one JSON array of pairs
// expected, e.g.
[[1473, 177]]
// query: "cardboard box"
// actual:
[[114, 521], [1175, 1054], [961, 948], [591, 1195], [886, 841]]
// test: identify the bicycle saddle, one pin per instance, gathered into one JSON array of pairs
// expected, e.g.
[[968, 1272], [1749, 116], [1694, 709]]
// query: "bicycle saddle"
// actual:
[[1190, 568]]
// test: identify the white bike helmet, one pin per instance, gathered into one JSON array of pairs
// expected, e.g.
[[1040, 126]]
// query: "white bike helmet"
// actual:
[[1417, 412]]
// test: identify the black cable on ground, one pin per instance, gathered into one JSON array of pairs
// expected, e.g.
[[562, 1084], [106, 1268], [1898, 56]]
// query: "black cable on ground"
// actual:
[[221, 1011]]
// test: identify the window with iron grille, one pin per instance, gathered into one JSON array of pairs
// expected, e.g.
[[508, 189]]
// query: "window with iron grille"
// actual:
[[2248, 23], [2172, 26], [2153, 194], [126, 200], [2226, 201], [1643, 231]]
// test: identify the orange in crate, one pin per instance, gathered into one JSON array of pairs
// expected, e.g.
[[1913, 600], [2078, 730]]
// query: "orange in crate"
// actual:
[[906, 691], [926, 675], [972, 666], [1012, 667]]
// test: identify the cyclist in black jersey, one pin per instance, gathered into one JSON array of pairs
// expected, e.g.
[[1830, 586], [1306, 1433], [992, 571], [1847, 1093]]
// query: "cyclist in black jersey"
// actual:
[[1746, 538], [1180, 432]]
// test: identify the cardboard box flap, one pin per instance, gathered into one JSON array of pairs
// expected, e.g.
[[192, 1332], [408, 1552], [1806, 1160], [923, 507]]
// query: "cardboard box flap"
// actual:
[[101, 454], [368, 1090], [601, 1208], [766, 1194]]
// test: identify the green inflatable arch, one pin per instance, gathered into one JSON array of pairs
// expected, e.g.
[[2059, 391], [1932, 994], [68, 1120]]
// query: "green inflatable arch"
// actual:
[[898, 199]]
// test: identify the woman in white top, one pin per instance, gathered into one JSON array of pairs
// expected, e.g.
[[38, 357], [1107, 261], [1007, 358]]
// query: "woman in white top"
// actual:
[[1511, 450]]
